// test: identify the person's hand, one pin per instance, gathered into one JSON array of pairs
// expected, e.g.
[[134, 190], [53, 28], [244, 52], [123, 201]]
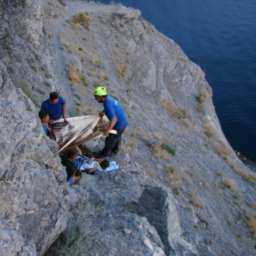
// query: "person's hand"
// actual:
[[66, 121]]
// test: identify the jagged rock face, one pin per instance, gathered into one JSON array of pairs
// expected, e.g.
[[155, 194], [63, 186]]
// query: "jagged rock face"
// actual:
[[32, 200], [33, 211], [180, 190]]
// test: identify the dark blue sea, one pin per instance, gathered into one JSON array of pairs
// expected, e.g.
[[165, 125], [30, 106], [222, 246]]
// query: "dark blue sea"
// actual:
[[220, 36]]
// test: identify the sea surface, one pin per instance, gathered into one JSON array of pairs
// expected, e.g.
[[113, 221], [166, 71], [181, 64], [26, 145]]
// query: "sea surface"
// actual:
[[220, 36]]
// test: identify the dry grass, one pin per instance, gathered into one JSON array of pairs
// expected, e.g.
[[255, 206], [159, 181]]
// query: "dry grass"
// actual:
[[121, 70], [253, 205], [218, 145], [196, 202], [167, 105], [174, 178], [158, 135], [71, 47], [230, 184], [96, 60], [251, 223], [163, 151], [170, 170], [78, 110], [174, 111], [209, 129], [180, 113], [243, 173], [225, 151], [201, 98], [83, 80], [103, 76], [73, 74], [76, 48], [221, 148], [82, 19], [159, 152]]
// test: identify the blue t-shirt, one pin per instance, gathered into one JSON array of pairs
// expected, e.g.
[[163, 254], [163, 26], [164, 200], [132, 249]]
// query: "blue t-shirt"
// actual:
[[79, 161], [55, 111], [113, 108]]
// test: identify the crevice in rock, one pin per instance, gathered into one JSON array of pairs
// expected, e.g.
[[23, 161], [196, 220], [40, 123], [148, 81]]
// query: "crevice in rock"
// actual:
[[152, 205]]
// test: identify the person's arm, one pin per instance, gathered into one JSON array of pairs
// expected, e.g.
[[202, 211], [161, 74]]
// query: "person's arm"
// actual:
[[111, 125], [112, 117]]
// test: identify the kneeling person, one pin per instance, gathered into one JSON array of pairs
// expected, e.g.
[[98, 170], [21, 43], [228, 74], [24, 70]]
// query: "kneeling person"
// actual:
[[117, 117], [55, 106]]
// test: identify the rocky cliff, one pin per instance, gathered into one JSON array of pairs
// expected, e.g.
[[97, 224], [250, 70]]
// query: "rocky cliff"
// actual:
[[181, 190]]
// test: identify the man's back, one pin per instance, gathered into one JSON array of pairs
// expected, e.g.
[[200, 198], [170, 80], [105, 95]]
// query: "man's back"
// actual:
[[113, 108]]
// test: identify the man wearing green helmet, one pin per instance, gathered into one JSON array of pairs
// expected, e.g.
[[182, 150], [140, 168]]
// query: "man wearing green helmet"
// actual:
[[117, 120]]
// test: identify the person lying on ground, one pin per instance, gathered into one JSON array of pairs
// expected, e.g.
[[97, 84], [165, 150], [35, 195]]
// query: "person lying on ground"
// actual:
[[45, 119], [81, 162], [117, 121], [55, 106], [76, 162]]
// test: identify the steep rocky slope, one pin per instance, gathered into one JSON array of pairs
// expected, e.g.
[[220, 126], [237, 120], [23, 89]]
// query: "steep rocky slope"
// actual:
[[181, 190]]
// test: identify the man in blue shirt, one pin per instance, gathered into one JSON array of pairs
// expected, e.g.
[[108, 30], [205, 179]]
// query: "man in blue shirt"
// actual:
[[55, 107], [117, 120]]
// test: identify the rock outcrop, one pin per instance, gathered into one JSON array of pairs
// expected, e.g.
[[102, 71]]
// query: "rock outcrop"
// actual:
[[181, 190], [32, 201], [33, 210]]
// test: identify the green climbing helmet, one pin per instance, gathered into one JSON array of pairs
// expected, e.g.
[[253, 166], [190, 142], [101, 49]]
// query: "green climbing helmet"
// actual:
[[100, 90]]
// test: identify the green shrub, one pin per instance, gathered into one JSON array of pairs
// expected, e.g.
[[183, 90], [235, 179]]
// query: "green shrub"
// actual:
[[168, 149]]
